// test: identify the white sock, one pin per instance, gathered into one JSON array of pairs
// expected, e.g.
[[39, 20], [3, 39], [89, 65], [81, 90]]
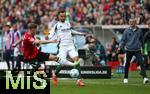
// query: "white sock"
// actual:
[[65, 62]]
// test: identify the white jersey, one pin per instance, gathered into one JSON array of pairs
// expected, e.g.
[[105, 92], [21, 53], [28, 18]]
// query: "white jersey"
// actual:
[[63, 32]]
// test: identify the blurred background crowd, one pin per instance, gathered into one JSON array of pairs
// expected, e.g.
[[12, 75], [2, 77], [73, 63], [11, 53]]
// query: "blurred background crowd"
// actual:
[[80, 12]]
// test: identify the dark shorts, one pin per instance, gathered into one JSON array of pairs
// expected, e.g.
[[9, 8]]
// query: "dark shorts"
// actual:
[[36, 62], [41, 57]]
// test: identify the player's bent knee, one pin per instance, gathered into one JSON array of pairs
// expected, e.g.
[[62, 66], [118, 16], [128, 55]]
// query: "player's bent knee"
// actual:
[[53, 57], [75, 58]]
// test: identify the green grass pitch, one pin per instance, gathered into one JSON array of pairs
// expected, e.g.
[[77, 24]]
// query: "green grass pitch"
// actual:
[[104, 86]]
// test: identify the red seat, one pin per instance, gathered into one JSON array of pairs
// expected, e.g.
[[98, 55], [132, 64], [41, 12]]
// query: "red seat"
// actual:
[[133, 66], [113, 64]]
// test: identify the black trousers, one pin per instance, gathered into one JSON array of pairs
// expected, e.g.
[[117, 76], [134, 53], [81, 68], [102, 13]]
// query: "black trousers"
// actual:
[[9, 57], [33, 62], [139, 58], [19, 59]]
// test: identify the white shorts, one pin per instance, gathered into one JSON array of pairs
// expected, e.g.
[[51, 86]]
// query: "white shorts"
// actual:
[[65, 51]]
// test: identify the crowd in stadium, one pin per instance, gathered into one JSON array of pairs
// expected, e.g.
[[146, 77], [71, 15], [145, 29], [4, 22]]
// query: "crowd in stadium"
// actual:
[[119, 13], [80, 12]]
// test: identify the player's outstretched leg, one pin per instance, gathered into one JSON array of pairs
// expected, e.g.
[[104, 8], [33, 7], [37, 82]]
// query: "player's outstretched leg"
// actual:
[[57, 70], [79, 81], [54, 78]]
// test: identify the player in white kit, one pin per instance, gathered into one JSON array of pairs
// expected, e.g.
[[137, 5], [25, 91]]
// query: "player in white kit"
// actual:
[[63, 32]]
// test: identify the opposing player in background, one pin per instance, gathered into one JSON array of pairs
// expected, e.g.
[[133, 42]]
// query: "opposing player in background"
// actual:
[[147, 44], [66, 46]]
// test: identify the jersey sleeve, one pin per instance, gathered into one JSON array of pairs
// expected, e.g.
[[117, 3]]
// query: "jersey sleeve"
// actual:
[[53, 32]]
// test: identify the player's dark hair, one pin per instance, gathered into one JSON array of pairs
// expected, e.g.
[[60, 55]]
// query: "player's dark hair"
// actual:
[[60, 11], [32, 25], [114, 38]]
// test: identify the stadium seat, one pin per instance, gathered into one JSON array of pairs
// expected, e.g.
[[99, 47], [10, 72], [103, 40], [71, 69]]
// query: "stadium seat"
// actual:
[[113, 64], [133, 66]]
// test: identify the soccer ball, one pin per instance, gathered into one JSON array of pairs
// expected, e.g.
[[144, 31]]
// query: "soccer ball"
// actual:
[[74, 73]]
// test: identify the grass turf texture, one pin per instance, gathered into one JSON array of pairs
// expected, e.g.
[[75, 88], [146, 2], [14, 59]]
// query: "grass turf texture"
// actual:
[[104, 86]]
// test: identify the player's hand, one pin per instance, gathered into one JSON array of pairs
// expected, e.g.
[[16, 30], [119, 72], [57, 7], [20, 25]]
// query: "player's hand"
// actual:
[[85, 34], [37, 41], [113, 54], [14, 45], [118, 50]]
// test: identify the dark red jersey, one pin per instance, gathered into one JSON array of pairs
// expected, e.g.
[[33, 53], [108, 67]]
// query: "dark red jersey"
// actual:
[[30, 51]]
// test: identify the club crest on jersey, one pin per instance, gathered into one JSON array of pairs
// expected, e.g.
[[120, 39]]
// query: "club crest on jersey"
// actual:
[[65, 29]]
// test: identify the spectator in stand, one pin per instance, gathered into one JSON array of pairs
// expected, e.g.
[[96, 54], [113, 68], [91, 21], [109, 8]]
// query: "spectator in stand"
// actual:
[[90, 49], [100, 52], [113, 56], [9, 40], [95, 52], [146, 5]]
